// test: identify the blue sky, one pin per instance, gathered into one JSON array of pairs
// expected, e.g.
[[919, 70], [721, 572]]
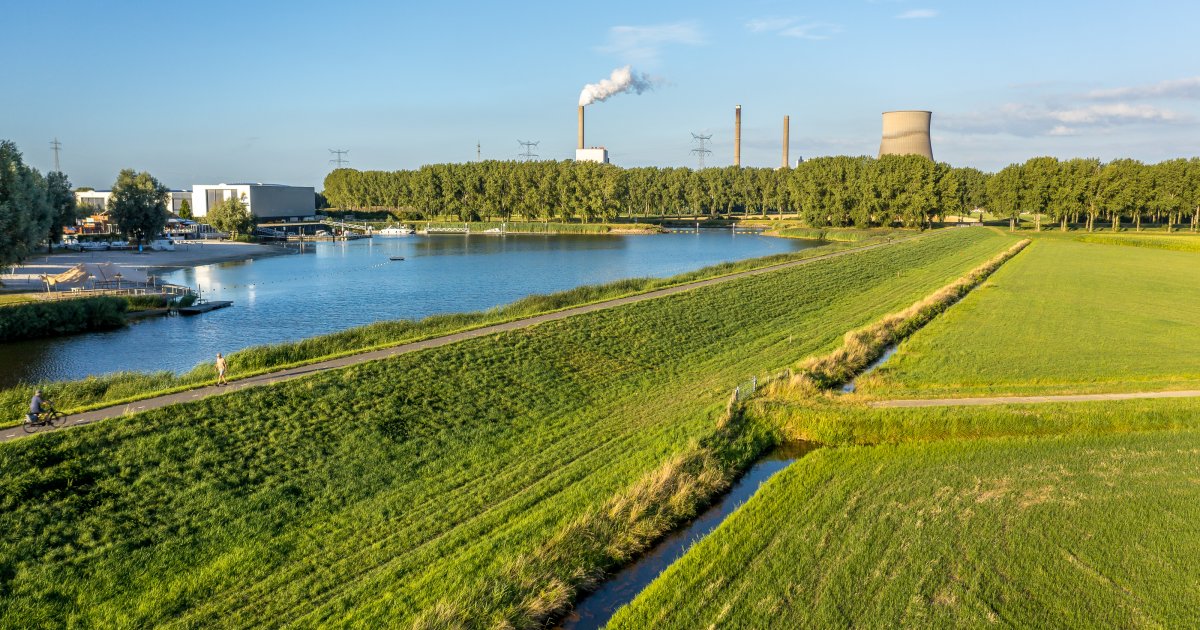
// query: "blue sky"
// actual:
[[255, 91]]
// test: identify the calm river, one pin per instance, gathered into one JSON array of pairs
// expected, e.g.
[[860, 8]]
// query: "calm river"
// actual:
[[334, 286]]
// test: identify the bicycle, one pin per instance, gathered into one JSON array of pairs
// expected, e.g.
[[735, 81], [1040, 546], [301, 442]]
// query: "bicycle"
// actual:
[[48, 418]]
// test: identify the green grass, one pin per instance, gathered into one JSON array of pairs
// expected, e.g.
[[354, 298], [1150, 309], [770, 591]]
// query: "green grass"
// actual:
[[11, 299], [835, 234], [1177, 241], [1062, 317], [1076, 531], [125, 387], [433, 481]]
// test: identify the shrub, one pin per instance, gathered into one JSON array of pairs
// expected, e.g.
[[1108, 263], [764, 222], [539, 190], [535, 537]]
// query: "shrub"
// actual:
[[49, 319]]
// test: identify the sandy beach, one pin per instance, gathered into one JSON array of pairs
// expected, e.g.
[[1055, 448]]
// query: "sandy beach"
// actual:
[[188, 254]]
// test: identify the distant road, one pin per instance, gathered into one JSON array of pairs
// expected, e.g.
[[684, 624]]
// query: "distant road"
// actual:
[[158, 402], [1016, 400]]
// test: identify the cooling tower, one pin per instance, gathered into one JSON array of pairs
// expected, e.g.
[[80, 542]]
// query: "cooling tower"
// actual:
[[906, 133], [580, 128], [737, 136]]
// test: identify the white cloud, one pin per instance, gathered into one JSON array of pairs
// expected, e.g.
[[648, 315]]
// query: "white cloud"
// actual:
[[796, 27], [644, 44], [917, 14], [1041, 120], [1177, 88]]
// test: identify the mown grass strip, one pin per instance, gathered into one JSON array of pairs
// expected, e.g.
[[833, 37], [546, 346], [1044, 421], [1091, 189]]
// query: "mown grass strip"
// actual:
[[1075, 530]]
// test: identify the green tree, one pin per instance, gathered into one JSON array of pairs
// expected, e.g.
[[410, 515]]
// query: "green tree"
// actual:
[[63, 211], [138, 205], [231, 216], [25, 211], [1004, 194], [185, 209]]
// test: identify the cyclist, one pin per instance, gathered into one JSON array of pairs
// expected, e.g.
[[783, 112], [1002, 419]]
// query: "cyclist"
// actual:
[[37, 406]]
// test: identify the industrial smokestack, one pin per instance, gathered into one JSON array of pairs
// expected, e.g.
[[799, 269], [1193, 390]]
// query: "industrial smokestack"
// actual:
[[580, 127], [737, 135], [906, 133], [786, 140]]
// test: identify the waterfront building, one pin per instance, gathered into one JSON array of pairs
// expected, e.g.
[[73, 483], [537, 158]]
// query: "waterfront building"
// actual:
[[264, 201]]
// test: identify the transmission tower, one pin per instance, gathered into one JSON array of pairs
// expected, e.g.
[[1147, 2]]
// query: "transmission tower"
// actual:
[[478, 152], [528, 153], [57, 146], [701, 149], [338, 159]]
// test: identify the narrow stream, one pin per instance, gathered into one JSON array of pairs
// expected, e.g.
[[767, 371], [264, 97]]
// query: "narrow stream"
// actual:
[[596, 608], [849, 388]]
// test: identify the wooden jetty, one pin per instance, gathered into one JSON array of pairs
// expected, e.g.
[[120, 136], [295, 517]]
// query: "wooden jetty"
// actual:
[[203, 307]]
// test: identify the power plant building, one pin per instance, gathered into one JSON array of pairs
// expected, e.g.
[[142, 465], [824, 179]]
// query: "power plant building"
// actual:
[[906, 133], [583, 153]]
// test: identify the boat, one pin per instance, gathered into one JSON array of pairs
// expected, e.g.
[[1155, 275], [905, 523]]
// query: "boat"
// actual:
[[395, 258], [393, 230]]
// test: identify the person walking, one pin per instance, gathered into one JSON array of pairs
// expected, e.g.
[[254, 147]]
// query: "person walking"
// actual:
[[221, 366]]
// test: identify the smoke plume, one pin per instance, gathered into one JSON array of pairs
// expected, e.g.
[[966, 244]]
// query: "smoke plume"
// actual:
[[622, 80]]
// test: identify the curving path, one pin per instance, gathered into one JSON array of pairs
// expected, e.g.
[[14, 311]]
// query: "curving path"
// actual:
[[157, 402], [1016, 400]]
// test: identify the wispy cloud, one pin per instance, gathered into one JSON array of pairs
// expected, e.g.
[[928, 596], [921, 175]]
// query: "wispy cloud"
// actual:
[[917, 14], [1042, 120], [644, 44], [1188, 88], [796, 27]]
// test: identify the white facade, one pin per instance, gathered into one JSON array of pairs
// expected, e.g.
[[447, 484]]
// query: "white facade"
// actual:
[[96, 201], [93, 201], [264, 201], [594, 154], [175, 199]]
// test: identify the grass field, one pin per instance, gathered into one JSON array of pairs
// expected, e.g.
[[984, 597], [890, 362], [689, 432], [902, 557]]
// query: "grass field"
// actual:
[[128, 386], [1064, 316], [469, 482], [1065, 531]]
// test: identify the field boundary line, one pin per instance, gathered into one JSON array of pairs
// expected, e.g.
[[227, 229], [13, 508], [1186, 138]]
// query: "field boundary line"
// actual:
[[1018, 400], [271, 378]]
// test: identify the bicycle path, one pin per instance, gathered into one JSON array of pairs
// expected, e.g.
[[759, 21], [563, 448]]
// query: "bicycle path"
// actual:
[[280, 376], [1011, 400]]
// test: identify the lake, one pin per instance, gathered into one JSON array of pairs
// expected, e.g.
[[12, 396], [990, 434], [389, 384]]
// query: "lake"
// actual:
[[334, 286]]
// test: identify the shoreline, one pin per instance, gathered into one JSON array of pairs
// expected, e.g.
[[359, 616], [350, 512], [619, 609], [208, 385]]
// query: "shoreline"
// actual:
[[25, 277]]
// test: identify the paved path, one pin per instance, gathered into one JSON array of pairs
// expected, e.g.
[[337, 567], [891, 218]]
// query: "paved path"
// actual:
[[374, 355], [1010, 400]]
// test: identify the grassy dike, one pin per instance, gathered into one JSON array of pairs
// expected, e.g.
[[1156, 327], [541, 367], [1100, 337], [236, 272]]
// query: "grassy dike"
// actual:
[[479, 483], [120, 388]]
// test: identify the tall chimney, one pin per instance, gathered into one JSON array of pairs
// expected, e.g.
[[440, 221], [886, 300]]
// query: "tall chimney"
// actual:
[[737, 135], [786, 141], [581, 127]]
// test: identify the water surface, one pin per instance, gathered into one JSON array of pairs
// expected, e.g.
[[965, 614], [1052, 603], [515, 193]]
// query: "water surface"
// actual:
[[334, 286]]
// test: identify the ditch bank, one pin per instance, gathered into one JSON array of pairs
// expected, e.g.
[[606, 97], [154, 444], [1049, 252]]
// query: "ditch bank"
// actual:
[[595, 609]]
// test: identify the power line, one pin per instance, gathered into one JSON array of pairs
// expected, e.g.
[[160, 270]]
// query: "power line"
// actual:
[[57, 146], [528, 154], [339, 160], [701, 149]]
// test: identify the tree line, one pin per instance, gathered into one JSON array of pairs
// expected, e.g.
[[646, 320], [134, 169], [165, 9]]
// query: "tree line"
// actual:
[[823, 192]]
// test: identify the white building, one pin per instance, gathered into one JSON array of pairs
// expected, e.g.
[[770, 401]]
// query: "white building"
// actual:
[[265, 201], [594, 154], [96, 201]]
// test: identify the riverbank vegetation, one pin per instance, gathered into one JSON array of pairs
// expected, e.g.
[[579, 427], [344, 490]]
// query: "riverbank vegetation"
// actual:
[[823, 192], [1064, 317], [1091, 523], [61, 317], [128, 386], [488, 498]]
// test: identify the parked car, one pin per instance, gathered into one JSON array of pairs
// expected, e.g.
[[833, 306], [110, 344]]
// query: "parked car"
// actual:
[[93, 246], [162, 245]]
